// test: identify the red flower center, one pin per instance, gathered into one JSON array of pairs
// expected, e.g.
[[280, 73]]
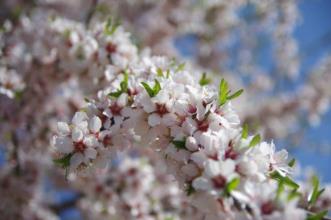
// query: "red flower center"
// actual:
[[161, 109], [219, 181], [203, 125], [79, 147], [115, 109], [267, 208], [111, 48]]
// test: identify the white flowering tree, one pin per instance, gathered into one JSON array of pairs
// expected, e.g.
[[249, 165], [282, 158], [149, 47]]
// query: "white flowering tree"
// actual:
[[151, 137]]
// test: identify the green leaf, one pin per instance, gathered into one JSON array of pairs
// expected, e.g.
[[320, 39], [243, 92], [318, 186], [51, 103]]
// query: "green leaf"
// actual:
[[291, 163], [180, 67], [256, 140], [64, 161], [180, 145], [232, 185], [315, 194], [159, 72], [235, 95], [189, 190], [223, 92], [152, 91], [317, 216], [123, 86], [157, 87], [284, 179], [293, 194], [148, 89], [115, 94], [244, 133], [204, 80], [124, 83], [111, 26]]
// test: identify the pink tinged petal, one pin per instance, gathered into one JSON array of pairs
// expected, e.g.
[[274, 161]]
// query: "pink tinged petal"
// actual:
[[79, 117], [122, 100], [227, 167], [189, 126], [201, 183], [77, 135], [90, 153], [63, 128], [212, 168], [281, 156], [154, 119], [190, 170], [91, 141], [199, 158], [169, 119], [95, 124], [191, 143], [64, 145], [76, 160]]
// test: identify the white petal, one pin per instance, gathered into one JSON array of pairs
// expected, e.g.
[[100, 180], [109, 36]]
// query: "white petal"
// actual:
[[90, 153], [169, 119], [77, 135], [227, 167], [76, 160], [94, 124], [191, 143], [79, 117], [201, 183], [63, 128], [91, 141], [122, 100], [64, 144], [212, 168], [154, 119], [199, 158]]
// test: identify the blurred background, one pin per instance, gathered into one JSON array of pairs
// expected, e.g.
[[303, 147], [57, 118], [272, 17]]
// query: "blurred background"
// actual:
[[279, 52]]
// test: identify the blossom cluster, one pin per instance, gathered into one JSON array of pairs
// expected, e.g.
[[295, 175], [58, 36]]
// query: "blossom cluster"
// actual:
[[156, 103], [133, 189]]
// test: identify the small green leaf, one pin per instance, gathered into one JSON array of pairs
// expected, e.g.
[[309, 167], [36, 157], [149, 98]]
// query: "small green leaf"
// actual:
[[284, 179], [293, 194], [256, 140], [232, 185], [291, 163], [189, 190], [111, 26], [244, 133], [148, 89], [180, 67], [204, 80], [123, 86], [124, 83], [179, 145], [223, 92], [315, 194], [152, 91], [115, 94], [159, 72], [317, 216], [235, 95], [64, 161]]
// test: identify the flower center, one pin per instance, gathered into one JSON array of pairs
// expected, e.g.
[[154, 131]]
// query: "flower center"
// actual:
[[79, 147], [115, 109], [230, 154], [203, 125], [161, 109], [267, 208], [111, 48], [219, 181]]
